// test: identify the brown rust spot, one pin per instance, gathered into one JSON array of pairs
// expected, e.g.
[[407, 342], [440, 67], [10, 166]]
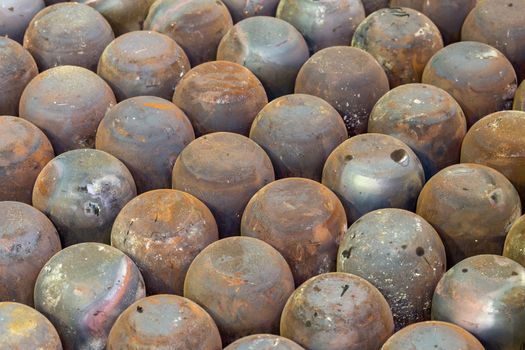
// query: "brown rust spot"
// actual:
[[162, 106]]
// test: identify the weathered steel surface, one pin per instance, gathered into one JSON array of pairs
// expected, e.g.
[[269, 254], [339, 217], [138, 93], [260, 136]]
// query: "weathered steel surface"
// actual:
[[499, 23], [82, 192], [263, 342], [147, 134], [271, 48], [197, 26], [413, 4], [67, 103], [241, 9], [17, 69], [427, 119], [163, 231], [25, 328], [24, 151], [402, 40], [28, 241], [498, 141], [400, 254], [348, 78], [449, 16], [68, 34], [479, 77], [302, 219], [83, 289], [519, 98], [143, 63], [164, 322], [224, 170], [247, 285], [298, 132], [472, 207], [323, 23], [15, 16], [337, 311], [374, 5], [433, 335], [515, 242], [220, 96], [485, 295], [123, 15], [374, 171]]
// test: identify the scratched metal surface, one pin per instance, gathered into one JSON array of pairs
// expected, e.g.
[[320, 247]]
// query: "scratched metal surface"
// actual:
[[68, 34], [485, 295], [336, 311], [164, 322], [400, 254], [25, 328], [82, 192], [83, 289]]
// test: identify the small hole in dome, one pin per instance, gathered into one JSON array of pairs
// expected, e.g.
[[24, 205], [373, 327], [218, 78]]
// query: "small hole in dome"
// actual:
[[420, 251], [400, 156]]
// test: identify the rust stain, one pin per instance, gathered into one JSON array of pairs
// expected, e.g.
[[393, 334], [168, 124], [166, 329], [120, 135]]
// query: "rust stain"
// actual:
[[163, 106], [21, 324]]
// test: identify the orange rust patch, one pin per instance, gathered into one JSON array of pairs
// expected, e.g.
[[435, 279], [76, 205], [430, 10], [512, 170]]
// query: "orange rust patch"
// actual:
[[163, 106]]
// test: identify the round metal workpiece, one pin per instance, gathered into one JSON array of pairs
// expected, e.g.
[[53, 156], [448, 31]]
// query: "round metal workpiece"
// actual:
[[67, 103], [400, 254], [29, 240], [220, 96], [413, 4], [433, 335], [519, 98], [484, 294], [472, 207], [499, 23], [143, 63], [147, 134], [15, 16], [298, 132], [17, 69], [82, 192], [448, 15], [427, 119], [163, 231], [477, 75], [241, 9], [269, 47], [25, 328], [498, 141], [374, 5], [83, 289], [164, 322], [197, 26], [323, 23], [123, 15], [263, 342], [24, 151], [247, 285], [68, 34], [302, 219], [515, 242], [348, 78], [374, 171], [402, 40], [224, 170], [336, 311]]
